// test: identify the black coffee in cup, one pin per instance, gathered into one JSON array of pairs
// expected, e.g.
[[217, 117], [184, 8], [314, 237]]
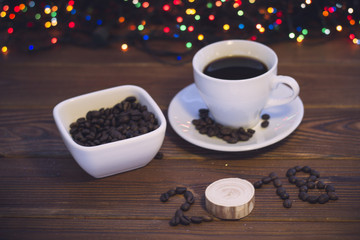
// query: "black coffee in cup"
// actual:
[[235, 68]]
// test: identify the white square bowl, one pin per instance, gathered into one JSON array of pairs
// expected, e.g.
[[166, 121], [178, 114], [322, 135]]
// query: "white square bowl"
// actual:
[[115, 157]]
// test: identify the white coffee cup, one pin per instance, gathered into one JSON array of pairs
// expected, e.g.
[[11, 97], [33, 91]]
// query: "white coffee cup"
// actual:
[[238, 103]]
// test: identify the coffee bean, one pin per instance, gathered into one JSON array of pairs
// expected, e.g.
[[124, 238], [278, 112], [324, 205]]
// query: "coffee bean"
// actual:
[[203, 112], [184, 220], [303, 196], [277, 183], [312, 178], [171, 192], [280, 191], [300, 183], [265, 124], [311, 185], [333, 196], [298, 168], [251, 131], [195, 219], [180, 190], [265, 116], [303, 188], [266, 180], [258, 184], [320, 185], [306, 169], [323, 198], [273, 175], [284, 195], [329, 188], [314, 173], [312, 199], [130, 99], [159, 155], [179, 213], [185, 206], [292, 179], [174, 221], [225, 131], [164, 197], [291, 172], [287, 203], [189, 197]]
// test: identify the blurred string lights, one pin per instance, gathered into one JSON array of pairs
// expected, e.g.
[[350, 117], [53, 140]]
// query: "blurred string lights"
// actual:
[[37, 25]]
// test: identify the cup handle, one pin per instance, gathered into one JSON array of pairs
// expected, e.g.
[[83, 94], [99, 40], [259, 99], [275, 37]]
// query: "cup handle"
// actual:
[[290, 82]]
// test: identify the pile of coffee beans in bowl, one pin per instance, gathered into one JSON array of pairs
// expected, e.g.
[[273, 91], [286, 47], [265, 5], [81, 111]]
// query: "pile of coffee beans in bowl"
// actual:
[[125, 120]]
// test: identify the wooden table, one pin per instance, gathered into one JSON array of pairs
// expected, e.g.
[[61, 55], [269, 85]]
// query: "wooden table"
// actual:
[[44, 194]]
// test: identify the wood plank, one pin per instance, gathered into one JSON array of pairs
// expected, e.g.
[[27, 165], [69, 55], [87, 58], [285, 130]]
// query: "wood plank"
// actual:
[[58, 188], [57, 83], [84, 228]]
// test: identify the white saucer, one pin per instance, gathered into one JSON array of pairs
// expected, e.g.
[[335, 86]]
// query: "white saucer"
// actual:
[[284, 120]]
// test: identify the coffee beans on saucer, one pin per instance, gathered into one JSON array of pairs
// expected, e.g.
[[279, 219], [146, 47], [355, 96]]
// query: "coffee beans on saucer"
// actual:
[[125, 120], [206, 125]]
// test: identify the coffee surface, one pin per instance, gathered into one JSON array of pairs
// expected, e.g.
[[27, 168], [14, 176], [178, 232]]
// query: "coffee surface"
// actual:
[[235, 68]]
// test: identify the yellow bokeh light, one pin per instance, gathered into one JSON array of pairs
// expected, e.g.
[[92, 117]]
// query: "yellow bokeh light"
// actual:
[[190, 11], [69, 8], [270, 10], [48, 24], [4, 49], [3, 14], [339, 28], [200, 37], [47, 10], [226, 27]]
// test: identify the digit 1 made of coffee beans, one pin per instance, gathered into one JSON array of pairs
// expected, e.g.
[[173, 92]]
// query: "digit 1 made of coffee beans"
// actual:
[[230, 198]]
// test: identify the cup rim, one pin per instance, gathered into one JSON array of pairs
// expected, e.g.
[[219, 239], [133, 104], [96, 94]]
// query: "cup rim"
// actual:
[[200, 72]]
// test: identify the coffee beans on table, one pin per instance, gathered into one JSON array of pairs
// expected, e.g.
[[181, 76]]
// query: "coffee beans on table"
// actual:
[[302, 183], [179, 216], [304, 186], [125, 120], [287, 203]]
